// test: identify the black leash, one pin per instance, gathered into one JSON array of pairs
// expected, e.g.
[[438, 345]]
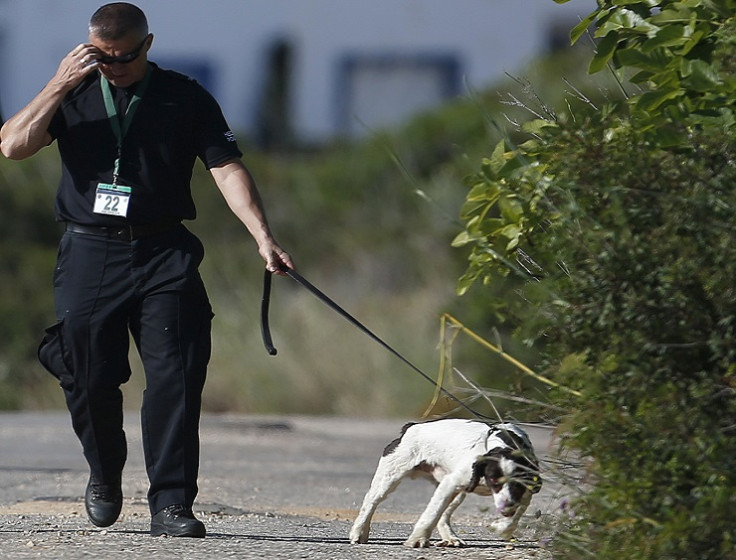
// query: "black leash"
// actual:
[[265, 300], [268, 342]]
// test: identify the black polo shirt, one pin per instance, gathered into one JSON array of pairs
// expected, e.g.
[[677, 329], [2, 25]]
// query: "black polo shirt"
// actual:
[[176, 122]]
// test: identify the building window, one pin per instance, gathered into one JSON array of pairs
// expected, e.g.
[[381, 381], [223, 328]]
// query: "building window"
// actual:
[[379, 91]]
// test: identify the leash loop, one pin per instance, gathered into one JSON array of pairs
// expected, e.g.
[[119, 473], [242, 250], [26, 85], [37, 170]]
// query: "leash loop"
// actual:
[[265, 300]]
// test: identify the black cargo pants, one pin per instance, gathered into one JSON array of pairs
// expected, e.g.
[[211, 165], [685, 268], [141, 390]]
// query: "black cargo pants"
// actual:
[[150, 287]]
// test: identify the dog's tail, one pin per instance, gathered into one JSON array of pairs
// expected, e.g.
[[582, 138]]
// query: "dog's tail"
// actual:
[[391, 447]]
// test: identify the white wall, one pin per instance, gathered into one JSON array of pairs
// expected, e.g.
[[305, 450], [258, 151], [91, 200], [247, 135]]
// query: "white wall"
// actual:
[[488, 37]]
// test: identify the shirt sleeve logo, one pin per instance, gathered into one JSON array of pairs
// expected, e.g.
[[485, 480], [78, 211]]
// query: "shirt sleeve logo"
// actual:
[[230, 136]]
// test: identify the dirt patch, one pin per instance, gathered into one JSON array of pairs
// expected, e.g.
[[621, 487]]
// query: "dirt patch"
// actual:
[[70, 507], [74, 507], [348, 515]]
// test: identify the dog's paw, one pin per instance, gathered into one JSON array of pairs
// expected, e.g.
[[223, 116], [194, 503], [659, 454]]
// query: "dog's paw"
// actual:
[[358, 537], [359, 534], [417, 542], [451, 543], [504, 529]]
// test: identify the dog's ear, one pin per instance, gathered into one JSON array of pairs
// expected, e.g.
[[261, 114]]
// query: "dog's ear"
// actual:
[[483, 465], [479, 471]]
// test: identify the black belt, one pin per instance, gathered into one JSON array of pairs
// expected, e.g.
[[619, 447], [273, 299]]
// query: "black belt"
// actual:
[[123, 233]]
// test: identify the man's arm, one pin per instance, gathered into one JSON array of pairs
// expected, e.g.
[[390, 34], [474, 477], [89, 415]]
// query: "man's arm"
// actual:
[[239, 189], [26, 132]]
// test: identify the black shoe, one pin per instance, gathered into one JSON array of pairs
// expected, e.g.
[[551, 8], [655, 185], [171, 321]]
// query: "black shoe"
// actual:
[[177, 521], [103, 502]]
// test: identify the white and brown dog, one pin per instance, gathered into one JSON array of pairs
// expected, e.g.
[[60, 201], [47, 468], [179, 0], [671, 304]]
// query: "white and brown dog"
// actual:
[[459, 456]]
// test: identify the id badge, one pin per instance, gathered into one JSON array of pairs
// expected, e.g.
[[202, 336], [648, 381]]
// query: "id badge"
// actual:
[[112, 200]]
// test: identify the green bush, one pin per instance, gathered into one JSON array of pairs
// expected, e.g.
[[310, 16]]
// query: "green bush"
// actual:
[[615, 225], [648, 301]]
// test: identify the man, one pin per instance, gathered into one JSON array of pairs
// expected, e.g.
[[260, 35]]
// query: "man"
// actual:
[[129, 133]]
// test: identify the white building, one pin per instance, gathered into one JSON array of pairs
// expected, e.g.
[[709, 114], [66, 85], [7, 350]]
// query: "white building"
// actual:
[[336, 67]]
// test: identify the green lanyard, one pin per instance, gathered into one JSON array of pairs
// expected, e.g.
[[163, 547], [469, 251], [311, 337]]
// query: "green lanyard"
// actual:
[[118, 128]]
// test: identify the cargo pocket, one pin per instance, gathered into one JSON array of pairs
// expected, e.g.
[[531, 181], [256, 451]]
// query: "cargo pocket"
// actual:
[[55, 357]]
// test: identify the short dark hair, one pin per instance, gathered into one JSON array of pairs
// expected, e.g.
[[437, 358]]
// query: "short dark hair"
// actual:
[[116, 20]]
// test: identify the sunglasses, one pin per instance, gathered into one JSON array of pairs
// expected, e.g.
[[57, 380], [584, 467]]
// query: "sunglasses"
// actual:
[[123, 58]]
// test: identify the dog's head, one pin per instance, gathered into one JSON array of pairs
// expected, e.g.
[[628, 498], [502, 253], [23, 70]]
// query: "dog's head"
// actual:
[[509, 473]]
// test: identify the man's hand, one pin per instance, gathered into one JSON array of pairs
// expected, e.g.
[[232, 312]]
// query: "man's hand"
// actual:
[[76, 65], [277, 260]]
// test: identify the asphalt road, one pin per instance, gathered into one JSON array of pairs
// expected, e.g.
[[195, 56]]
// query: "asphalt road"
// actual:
[[270, 488]]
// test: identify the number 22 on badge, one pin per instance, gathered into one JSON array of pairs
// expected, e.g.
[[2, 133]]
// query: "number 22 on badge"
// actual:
[[112, 200]]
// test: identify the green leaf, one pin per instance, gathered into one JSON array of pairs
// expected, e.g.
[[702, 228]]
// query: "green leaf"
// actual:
[[626, 20], [692, 42], [536, 126], [670, 36], [530, 146], [582, 27], [472, 210], [483, 192], [466, 281], [653, 99], [490, 226], [462, 239], [699, 75], [672, 14], [513, 162], [497, 159], [653, 62], [511, 208], [641, 77], [512, 232], [604, 52]]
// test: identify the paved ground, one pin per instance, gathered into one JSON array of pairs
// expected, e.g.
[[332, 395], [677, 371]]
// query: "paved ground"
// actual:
[[270, 487]]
